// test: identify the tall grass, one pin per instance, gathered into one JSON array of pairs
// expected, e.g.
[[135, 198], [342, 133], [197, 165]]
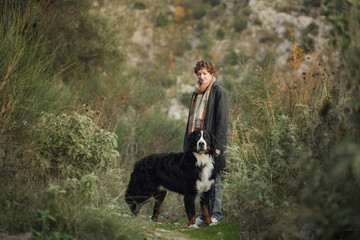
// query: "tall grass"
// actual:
[[53, 207], [28, 86], [293, 156]]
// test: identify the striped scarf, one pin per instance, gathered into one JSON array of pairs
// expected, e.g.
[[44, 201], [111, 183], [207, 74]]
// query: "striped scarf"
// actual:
[[199, 105]]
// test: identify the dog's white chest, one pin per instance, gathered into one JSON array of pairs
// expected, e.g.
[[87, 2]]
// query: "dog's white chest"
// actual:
[[206, 162]]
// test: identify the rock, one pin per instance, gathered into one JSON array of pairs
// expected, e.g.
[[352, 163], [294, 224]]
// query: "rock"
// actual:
[[161, 230]]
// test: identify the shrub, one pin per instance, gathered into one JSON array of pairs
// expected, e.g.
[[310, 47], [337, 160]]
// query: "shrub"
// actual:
[[259, 183], [179, 13], [186, 98], [62, 210], [161, 20], [167, 81], [258, 21], [312, 28], [199, 12], [330, 195], [139, 5], [234, 58], [85, 40], [27, 83], [240, 23], [205, 42], [220, 34], [169, 135], [213, 3], [28, 86], [246, 11], [71, 145], [308, 44]]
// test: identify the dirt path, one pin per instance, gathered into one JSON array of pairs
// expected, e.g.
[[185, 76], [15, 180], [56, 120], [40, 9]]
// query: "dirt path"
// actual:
[[160, 233]]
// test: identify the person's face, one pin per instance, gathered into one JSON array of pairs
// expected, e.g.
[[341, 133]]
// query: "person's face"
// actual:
[[203, 76]]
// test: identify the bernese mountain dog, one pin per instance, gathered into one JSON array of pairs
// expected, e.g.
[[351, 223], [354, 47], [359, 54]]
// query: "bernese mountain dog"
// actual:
[[190, 173]]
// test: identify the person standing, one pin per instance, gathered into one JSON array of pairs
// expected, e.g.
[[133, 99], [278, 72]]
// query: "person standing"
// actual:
[[209, 110]]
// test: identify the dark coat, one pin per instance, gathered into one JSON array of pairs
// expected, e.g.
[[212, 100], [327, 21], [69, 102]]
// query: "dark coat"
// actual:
[[216, 120]]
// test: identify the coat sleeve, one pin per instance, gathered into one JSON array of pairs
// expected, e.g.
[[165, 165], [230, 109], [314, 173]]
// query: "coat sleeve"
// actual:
[[221, 118]]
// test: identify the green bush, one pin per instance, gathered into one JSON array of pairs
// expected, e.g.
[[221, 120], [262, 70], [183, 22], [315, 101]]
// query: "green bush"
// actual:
[[63, 210], [308, 44], [246, 11], [169, 134], [232, 72], [233, 58], [28, 86], [205, 42], [213, 3], [312, 28], [240, 23], [199, 12], [167, 81], [71, 145], [85, 40], [139, 5], [258, 21], [27, 82], [161, 20], [258, 183], [220, 34]]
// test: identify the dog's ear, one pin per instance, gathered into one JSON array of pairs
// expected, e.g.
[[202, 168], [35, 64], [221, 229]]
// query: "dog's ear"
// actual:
[[213, 141], [189, 142]]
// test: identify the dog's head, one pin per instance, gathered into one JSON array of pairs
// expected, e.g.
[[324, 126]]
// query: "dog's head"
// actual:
[[201, 141]]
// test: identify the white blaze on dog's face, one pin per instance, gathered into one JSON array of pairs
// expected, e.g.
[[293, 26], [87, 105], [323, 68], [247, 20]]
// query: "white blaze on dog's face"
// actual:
[[201, 145]]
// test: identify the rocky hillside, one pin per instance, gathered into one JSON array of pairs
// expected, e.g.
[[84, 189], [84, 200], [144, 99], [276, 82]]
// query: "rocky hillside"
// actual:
[[165, 38]]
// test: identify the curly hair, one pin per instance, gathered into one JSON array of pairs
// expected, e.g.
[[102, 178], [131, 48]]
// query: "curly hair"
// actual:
[[209, 66]]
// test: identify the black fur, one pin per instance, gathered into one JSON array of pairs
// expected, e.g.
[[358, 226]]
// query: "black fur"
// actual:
[[177, 172]]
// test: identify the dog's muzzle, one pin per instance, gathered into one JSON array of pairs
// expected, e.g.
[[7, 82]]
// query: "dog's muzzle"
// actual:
[[201, 145]]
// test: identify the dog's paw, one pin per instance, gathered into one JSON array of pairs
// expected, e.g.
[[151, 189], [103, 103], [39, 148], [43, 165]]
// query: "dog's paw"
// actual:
[[193, 226]]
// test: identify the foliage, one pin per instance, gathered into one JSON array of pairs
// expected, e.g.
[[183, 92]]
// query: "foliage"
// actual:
[[71, 145], [27, 83], [168, 134], [205, 42], [83, 38], [331, 194], [62, 210], [137, 137], [293, 149], [161, 20], [240, 23], [179, 14], [290, 161], [262, 182], [312, 28], [213, 2], [167, 81], [199, 12], [220, 34], [185, 98], [258, 21], [28, 86], [308, 44], [139, 5]]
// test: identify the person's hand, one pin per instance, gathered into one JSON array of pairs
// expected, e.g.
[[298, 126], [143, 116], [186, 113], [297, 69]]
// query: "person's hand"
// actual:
[[217, 153]]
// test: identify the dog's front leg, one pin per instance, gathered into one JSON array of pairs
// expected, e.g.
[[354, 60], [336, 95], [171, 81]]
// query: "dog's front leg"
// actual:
[[205, 204], [189, 201]]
